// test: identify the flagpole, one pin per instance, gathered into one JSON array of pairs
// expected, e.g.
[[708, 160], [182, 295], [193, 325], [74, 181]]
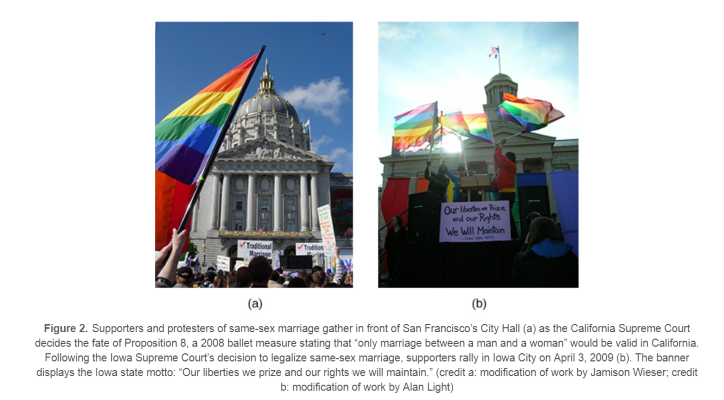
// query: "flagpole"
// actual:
[[217, 145], [499, 57], [517, 134], [432, 135]]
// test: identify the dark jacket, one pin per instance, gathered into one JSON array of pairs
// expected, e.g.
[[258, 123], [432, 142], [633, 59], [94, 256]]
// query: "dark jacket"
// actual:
[[547, 264], [438, 183]]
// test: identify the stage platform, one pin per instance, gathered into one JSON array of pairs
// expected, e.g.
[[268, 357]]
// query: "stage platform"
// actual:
[[456, 265]]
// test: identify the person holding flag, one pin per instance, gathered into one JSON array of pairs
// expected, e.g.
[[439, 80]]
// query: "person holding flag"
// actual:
[[458, 192], [438, 182], [506, 181]]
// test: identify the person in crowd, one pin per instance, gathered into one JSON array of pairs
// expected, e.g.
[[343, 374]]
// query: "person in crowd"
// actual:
[[220, 281], [396, 236], [184, 278], [306, 276], [438, 182], [545, 260], [297, 282], [208, 281], [458, 193], [243, 278], [165, 274], [348, 280], [260, 270], [506, 181], [274, 280], [319, 278]]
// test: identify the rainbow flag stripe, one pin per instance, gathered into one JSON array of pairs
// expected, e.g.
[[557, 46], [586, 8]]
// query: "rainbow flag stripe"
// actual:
[[455, 121], [414, 127], [186, 137], [184, 142], [530, 114], [478, 127]]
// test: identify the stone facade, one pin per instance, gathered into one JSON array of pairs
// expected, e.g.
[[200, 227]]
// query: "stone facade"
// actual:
[[266, 182], [534, 152]]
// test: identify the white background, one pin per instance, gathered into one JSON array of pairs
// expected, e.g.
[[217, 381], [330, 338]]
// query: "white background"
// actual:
[[78, 89]]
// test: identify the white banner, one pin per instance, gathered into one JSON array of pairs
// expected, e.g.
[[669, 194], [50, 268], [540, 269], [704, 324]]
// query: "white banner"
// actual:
[[248, 249], [325, 224], [475, 221], [223, 263], [309, 249]]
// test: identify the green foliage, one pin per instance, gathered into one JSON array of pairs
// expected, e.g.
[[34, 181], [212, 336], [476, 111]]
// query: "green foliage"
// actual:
[[193, 251]]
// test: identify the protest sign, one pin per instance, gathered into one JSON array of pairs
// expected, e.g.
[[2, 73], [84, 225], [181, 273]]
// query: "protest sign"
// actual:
[[478, 221], [325, 224], [223, 263], [248, 249], [309, 249]]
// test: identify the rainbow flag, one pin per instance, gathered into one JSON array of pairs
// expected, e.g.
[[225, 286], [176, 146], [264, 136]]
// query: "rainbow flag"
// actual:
[[414, 127], [529, 113], [455, 122], [184, 142], [478, 127]]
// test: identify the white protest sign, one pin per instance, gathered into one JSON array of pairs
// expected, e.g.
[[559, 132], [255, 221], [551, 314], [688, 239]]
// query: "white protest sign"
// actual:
[[309, 249], [325, 224], [475, 221], [248, 249], [223, 263]]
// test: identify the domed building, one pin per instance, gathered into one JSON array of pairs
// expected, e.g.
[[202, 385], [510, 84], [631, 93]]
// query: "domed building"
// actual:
[[537, 156], [266, 183]]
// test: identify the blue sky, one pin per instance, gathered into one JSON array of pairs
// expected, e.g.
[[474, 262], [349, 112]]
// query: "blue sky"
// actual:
[[420, 63], [312, 71]]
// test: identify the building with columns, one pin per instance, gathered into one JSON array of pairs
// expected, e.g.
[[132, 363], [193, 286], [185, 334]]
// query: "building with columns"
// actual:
[[534, 152], [266, 183]]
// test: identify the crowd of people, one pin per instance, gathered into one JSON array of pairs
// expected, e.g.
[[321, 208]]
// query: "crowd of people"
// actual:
[[259, 273], [545, 260]]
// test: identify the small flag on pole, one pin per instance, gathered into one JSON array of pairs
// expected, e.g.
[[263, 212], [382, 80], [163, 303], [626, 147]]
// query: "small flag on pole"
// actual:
[[494, 50], [530, 114]]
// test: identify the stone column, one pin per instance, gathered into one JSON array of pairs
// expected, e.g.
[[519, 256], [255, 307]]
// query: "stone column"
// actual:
[[315, 203], [278, 202], [548, 165], [195, 218], [304, 203], [519, 166], [225, 196], [214, 223], [250, 204]]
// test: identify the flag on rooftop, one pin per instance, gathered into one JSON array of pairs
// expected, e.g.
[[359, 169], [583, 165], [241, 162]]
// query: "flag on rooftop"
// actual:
[[184, 142], [530, 114], [414, 127]]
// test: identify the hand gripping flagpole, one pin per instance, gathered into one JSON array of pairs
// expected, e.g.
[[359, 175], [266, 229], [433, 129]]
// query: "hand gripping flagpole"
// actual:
[[217, 145]]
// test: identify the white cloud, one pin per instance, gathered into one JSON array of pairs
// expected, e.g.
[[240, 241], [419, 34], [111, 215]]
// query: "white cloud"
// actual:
[[324, 97], [396, 32], [342, 158], [317, 143]]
